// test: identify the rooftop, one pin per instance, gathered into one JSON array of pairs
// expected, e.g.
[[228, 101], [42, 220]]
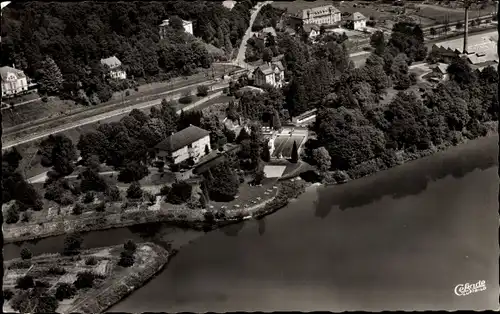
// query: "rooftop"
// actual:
[[309, 27], [4, 72], [111, 62], [316, 10], [182, 138], [184, 23], [356, 16]]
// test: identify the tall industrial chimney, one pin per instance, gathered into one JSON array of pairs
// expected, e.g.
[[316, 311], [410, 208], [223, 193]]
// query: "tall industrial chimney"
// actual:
[[466, 29]]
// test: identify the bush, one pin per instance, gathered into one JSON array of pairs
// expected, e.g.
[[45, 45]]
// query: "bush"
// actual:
[[186, 99], [45, 99], [25, 282], [56, 271], [41, 284], [8, 294], [113, 193], [126, 259], [78, 209], [85, 280], [26, 253], [20, 265], [26, 216], [130, 246], [12, 215], [134, 191], [46, 304], [66, 199], [91, 261], [165, 190], [180, 193], [64, 290], [202, 90], [209, 217], [101, 207], [89, 197], [127, 93], [72, 243]]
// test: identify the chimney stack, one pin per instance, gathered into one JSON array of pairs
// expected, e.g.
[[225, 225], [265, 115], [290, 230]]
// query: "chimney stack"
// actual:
[[466, 26]]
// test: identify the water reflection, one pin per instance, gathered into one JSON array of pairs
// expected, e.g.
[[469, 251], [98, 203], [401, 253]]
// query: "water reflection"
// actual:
[[413, 181]]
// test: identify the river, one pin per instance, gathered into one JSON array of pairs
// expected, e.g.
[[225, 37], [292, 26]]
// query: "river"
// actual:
[[400, 239]]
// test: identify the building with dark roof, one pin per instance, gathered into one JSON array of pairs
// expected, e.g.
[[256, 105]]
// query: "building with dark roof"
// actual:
[[357, 21], [192, 142], [272, 73]]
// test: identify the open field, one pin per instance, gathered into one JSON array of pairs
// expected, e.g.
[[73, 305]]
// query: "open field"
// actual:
[[440, 14], [249, 196], [110, 276]]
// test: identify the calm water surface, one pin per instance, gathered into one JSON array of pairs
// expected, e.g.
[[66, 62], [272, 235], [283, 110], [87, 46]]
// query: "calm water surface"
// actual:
[[401, 239]]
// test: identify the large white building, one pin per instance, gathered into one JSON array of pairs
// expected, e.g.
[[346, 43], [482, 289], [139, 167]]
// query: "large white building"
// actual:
[[191, 142], [272, 73], [114, 65], [327, 15], [14, 81], [188, 27]]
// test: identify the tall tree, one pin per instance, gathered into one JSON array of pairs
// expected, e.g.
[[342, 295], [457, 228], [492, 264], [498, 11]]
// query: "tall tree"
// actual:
[[63, 155], [295, 153], [49, 76]]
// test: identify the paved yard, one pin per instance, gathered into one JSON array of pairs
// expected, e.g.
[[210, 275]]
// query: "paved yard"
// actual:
[[274, 171]]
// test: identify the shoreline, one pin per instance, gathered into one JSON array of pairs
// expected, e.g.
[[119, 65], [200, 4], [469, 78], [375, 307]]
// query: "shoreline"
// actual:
[[256, 212]]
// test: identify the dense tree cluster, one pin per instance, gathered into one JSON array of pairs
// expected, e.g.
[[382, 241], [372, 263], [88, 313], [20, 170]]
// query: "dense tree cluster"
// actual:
[[15, 187], [61, 44], [359, 135]]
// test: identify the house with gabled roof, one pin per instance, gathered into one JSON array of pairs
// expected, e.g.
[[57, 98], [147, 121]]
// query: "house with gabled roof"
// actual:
[[14, 81], [357, 21], [189, 143], [272, 73], [115, 67]]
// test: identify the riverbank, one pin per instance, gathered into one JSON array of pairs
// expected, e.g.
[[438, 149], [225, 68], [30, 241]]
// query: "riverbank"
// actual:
[[402, 157], [111, 281], [184, 218], [191, 219]]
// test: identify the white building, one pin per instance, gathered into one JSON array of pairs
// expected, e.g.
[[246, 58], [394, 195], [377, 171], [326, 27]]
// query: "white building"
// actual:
[[188, 27], [191, 142], [358, 21], [14, 81], [272, 73], [114, 65], [229, 4], [328, 15]]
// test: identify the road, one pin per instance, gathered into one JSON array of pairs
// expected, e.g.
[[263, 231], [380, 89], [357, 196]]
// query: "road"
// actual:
[[38, 135], [240, 58]]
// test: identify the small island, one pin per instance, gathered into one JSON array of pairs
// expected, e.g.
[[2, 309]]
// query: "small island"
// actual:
[[82, 281]]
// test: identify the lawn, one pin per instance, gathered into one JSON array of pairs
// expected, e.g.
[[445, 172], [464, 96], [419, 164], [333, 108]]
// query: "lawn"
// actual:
[[35, 110], [248, 196]]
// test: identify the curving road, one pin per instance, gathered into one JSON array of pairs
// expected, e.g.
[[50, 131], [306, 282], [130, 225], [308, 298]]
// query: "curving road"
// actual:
[[240, 58]]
